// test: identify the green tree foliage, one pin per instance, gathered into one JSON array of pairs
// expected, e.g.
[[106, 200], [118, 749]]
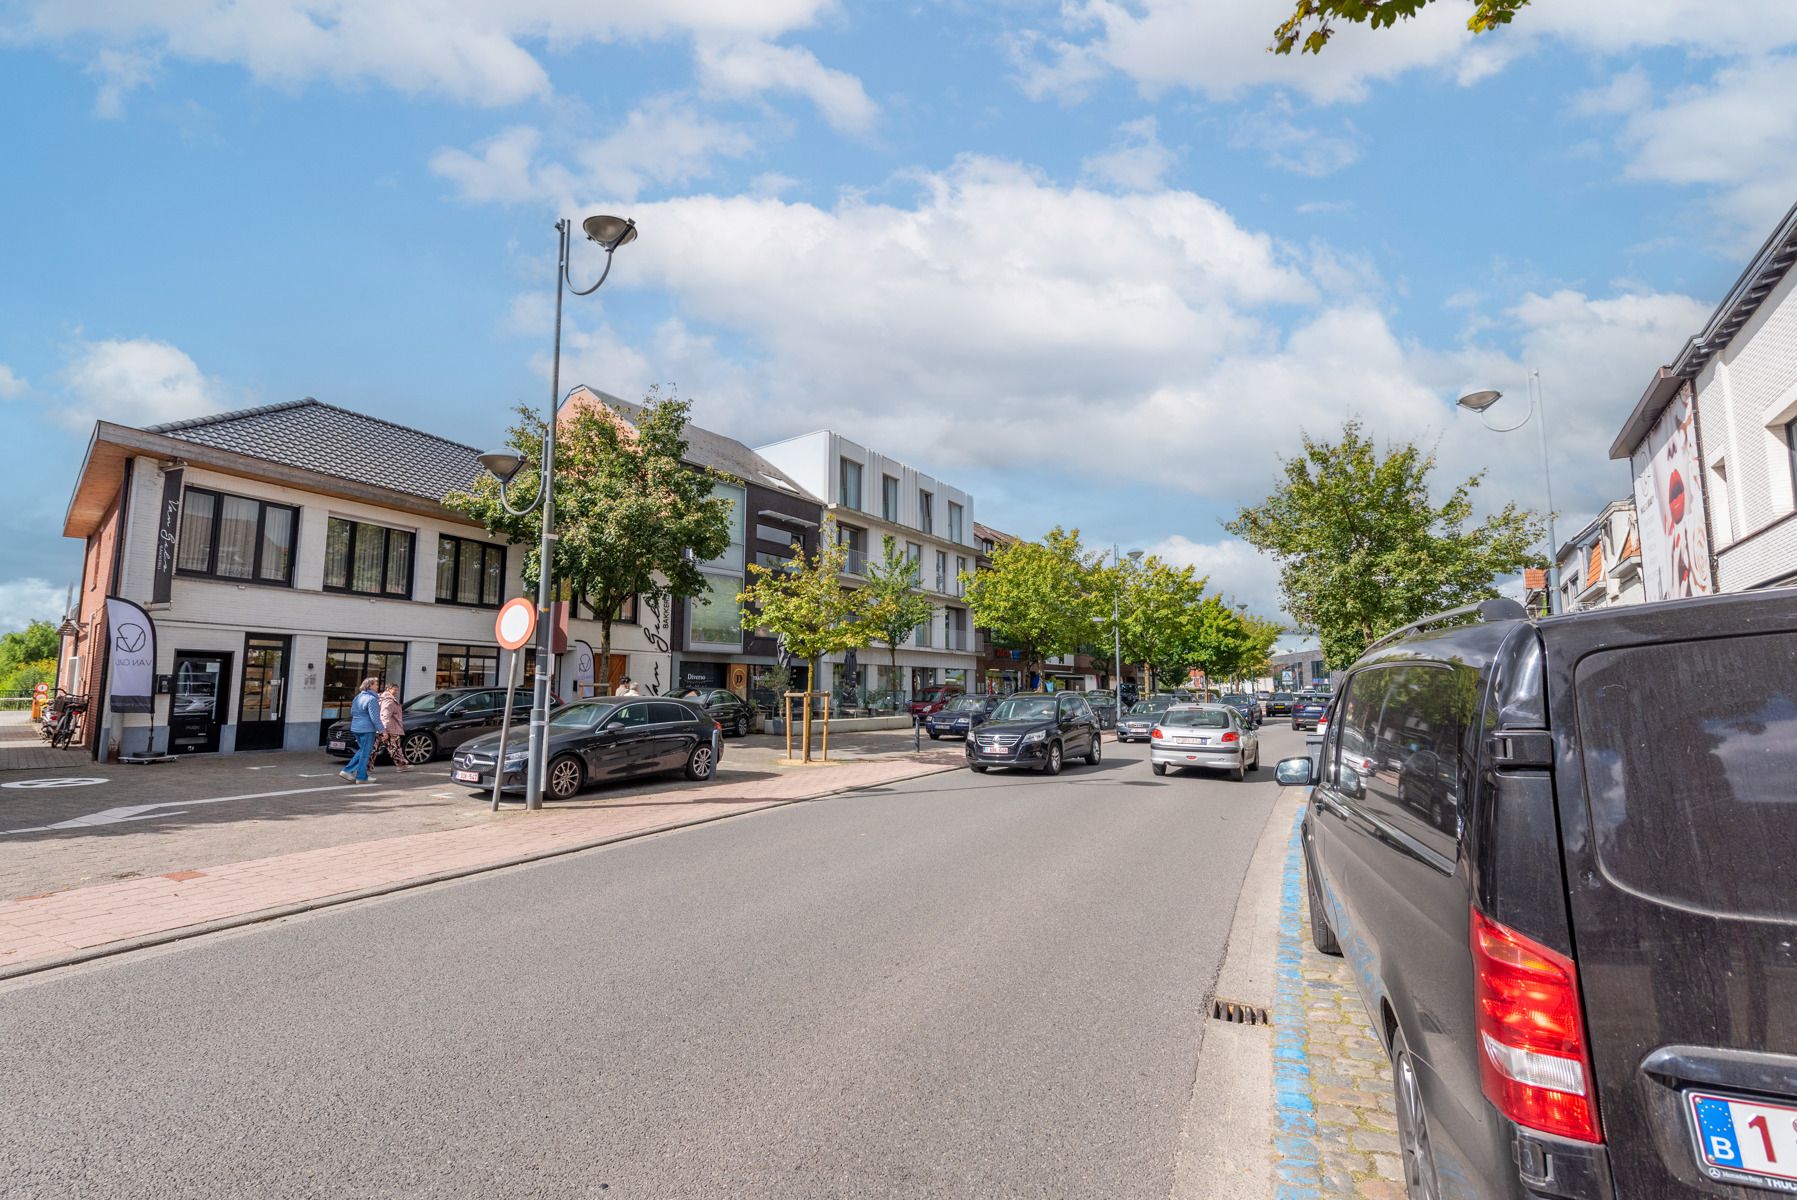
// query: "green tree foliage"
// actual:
[[1038, 597], [1363, 549], [1312, 22], [1158, 601], [28, 657], [631, 517], [891, 604]]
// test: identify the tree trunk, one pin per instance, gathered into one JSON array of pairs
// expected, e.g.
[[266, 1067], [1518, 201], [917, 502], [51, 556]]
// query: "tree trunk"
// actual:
[[810, 681], [602, 668]]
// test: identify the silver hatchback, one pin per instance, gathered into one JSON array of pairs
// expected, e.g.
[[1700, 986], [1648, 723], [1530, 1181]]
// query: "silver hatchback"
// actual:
[[1207, 736]]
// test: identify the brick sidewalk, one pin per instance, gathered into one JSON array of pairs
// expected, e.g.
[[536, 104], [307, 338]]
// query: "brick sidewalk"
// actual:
[[40, 931]]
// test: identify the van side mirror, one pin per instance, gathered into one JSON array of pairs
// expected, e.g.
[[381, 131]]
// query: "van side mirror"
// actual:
[[1295, 772]]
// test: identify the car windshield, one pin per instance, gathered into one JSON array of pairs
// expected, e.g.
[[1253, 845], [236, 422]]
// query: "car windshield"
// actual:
[[1149, 708], [1236, 700], [431, 702], [580, 716], [1199, 718], [1284, 697], [1025, 708], [965, 704]]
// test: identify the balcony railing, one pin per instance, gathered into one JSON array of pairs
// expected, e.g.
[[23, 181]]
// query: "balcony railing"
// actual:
[[855, 562], [957, 640]]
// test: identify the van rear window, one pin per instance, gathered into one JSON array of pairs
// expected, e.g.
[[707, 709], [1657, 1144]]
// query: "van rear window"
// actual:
[[1690, 754]]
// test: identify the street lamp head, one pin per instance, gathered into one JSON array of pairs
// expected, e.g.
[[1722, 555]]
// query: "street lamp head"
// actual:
[[610, 232], [1480, 401], [503, 464], [1135, 555]]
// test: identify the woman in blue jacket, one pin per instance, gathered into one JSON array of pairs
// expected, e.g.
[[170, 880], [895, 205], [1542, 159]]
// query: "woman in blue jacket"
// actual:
[[364, 723]]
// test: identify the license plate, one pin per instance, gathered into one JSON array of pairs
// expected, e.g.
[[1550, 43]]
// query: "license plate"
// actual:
[[1745, 1141], [338, 746], [465, 776]]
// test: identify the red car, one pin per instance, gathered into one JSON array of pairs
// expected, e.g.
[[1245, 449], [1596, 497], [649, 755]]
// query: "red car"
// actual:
[[932, 699]]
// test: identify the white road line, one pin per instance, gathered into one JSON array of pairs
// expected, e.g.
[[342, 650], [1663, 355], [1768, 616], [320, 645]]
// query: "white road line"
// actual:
[[147, 812]]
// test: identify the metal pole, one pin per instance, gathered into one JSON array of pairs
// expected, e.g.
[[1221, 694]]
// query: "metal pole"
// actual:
[[1117, 632], [505, 722], [539, 707], [1547, 478]]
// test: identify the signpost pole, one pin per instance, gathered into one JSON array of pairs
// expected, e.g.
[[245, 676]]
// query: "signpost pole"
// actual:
[[505, 724]]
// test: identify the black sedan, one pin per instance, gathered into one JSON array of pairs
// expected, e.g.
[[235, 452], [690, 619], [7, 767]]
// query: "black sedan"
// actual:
[[960, 716], [607, 738], [1308, 710], [1279, 704], [1138, 723], [441, 720], [1245, 704], [1038, 730], [732, 713]]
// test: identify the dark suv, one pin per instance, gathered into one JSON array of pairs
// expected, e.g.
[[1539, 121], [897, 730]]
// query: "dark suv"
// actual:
[[1558, 854], [442, 720]]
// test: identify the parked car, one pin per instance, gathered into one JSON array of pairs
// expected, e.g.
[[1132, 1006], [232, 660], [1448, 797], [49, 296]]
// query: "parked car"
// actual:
[[1211, 737], [1308, 710], [1609, 797], [932, 699], [605, 738], [1279, 704], [733, 714], [960, 716], [439, 721], [1137, 724], [1038, 730], [1245, 704], [1104, 707]]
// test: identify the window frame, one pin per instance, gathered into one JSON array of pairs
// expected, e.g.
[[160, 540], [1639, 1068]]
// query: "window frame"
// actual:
[[843, 463], [926, 511], [262, 506], [889, 498], [349, 564], [456, 575], [957, 522]]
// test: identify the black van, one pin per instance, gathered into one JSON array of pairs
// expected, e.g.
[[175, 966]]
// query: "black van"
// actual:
[[1561, 858]]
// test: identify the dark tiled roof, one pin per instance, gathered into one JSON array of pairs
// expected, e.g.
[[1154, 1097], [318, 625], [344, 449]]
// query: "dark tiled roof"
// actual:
[[335, 441], [707, 449]]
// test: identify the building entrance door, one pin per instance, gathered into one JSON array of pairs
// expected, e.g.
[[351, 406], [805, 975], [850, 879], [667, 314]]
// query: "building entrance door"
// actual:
[[262, 717], [198, 702]]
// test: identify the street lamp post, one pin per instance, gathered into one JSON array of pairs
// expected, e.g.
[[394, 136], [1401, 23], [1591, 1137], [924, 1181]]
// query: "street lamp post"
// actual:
[[1135, 556], [1478, 402], [608, 233]]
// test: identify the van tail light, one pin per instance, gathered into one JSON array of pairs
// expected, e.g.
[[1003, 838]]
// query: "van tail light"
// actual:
[[1534, 1059], [1156, 732], [1231, 736], [1322, 726]]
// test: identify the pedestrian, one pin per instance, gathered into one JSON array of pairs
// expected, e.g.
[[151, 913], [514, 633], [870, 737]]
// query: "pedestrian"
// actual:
[[627, 687], [364, 723], [393, 727]]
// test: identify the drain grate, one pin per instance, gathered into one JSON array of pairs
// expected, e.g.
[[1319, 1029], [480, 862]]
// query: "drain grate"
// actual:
[[1237, 1013]]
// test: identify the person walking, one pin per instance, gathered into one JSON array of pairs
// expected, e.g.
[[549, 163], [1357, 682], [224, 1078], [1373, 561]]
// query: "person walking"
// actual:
[[627, 687], [393, 727], [364, 723]]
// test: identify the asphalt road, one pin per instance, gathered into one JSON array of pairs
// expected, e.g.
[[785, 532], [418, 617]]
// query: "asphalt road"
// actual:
[[958, 986]]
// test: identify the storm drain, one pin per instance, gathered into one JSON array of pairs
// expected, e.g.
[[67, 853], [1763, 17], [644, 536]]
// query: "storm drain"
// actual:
[[1237, 1013]]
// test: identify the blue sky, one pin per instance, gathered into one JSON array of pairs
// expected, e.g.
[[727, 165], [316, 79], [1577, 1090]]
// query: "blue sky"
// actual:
[[1099, 263]]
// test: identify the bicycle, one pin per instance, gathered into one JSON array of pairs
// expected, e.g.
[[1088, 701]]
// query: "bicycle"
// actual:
[[60, 722]]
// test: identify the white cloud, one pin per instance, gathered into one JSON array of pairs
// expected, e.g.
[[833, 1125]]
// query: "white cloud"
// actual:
[[1235, 569], [119, 72], [1300, 149], [744, 69], [1136, 160], [134, 382], [664, 142], [466, 50], [10, 384], [23, 601]]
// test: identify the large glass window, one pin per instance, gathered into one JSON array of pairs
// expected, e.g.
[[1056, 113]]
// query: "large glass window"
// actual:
[[347, 662], [234, 537], [714, 615], [849, 484], [469, 572], [954, 522], [889, 498], [856, 541], [926, 511], [467, 666], [776, 535], [941, 571], [732, 557], [371, 560]]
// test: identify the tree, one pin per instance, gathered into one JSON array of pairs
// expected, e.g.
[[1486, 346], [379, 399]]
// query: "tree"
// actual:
[[892, 605], [1157, 604], [1362, 548], [1310, 26], [632, 518], [28, 657], [1037, 597], [805, 605]]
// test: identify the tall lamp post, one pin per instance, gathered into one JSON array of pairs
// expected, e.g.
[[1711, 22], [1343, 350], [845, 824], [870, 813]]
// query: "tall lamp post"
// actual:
[[608, 233], [1135, 556], [1478, 402]]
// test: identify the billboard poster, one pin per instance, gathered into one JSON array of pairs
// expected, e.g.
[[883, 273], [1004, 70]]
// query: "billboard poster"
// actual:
[[583, 669], [133, 670], [1675, 542]]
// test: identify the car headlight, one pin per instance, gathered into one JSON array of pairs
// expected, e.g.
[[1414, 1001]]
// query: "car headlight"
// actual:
[[515, 761], [1041, 735]]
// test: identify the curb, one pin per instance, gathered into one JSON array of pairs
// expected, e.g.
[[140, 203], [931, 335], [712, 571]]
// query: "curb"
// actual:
[[1297, 1164], [262, 915]]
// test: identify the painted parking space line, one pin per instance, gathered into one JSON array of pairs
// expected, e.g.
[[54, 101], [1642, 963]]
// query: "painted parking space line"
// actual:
[[169, 808], [1297, 1158]]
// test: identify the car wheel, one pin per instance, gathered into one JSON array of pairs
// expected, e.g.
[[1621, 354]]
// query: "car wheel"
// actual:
[[742, 724], [1097, 751], [1322, 936], [1418, 1158], [700, 764], [418, 748], [1159, 768], [566, 778], [1053, 765], [1240, 774], [977, 768]]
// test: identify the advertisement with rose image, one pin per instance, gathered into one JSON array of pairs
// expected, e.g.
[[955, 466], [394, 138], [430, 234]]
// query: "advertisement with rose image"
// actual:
[[1675, 540]]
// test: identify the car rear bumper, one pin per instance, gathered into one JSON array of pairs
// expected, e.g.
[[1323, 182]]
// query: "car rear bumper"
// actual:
[[1216, 758]]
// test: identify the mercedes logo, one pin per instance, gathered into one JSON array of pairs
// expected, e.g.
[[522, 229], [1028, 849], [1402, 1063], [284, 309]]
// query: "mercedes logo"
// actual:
[[131, 637]]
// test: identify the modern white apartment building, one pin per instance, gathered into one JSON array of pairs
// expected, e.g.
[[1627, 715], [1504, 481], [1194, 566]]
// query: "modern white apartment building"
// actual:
[[872, 498]]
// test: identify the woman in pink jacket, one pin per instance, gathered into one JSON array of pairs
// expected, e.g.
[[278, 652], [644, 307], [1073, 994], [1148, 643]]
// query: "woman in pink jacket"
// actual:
[[393, 727]]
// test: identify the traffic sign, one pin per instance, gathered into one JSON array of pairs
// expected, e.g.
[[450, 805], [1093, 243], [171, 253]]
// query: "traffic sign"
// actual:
[[516, 623], [41, 690]]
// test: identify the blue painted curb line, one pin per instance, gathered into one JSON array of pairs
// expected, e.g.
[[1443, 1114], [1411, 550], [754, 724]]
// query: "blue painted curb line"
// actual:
[[1297, 1162]]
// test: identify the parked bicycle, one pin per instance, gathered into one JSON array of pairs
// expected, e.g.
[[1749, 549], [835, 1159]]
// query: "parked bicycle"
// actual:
[[63, 719]]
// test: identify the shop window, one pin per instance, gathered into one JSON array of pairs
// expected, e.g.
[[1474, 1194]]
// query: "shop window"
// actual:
[[467, 666], [714, 616]]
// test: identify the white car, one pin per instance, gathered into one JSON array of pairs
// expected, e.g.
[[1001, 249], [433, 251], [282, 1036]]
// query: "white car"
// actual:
[[1210, 737]]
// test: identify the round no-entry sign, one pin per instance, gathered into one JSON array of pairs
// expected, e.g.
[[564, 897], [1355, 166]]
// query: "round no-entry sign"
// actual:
[[516, 622], [42, 689]]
